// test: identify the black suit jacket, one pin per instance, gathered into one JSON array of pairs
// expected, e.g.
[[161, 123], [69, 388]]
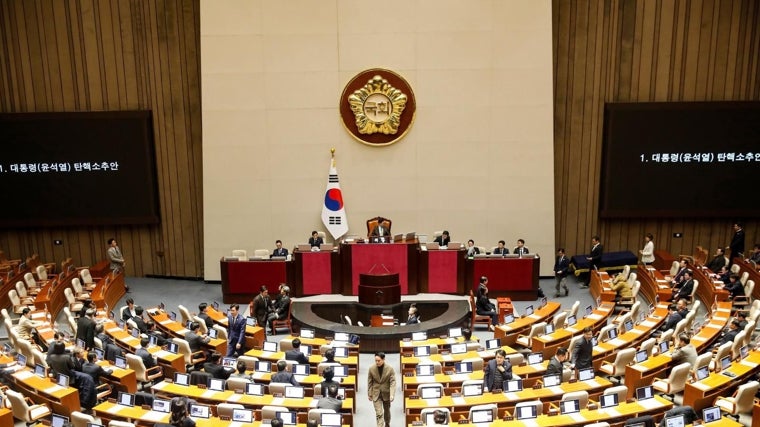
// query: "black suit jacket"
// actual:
[[685, 290], [561, 265], [216, 370], [737, 244], [94, 370], [316, 242], [555, 367], [86, 331], [141, 325], [473, 251], [280, 252], [582, 353], [490, 373], [521, 251], [500, 251], [147, 358], [297, 356], [195, 341], [380, 231], [442, 241], [596, 255]]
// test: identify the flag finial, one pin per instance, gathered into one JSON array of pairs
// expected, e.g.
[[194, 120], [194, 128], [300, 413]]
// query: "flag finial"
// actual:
[[332, 152]]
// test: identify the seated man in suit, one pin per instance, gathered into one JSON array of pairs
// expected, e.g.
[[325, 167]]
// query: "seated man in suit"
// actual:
[[330, 401], [520, 249], [556, 365], [202, 307], [279, 250], [295, 353], [214, 367], [139, 321], [413, 317], [500, 249], [443, 239], [684, 289], [93, 369], [315, 240], [283, 376], [719, 260], [734, 286], [472, 250], [144, 354], [380, 229], [671, 321], [730, 334], [153, 332], [194, 338]]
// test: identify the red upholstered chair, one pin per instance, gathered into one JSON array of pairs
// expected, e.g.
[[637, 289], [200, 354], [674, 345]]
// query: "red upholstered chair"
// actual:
[[372, 223]]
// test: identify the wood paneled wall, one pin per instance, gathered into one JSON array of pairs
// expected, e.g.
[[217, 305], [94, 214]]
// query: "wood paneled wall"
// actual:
[[90, 55], [642, 51], [95, 55]]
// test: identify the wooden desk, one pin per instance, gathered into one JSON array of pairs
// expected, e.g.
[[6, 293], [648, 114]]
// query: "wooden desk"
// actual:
[[51, 297], [6, 417], [701, 394], [62, 400], [254, 335], [516, 278], [409, 362], [317, 343], [169, 361], [441, 343], [242, 279], [709, 289], [314, 359], [745, 266], [9, 282], [177, 330], [508, 332], [109, 290], [600, 286], [548, 344]]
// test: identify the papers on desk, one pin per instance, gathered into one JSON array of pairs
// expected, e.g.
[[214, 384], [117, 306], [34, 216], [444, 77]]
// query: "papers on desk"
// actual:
[[720, 319], [162, 354], [167, 321], [617, 342], [160, 386], [556, 390], [611, 412], [115, 409], [577, 417], [534, 316], [486, 353], [279, 401], [53, 389], [650, 403], [648, 324], [235, 397], [267, 354], [447, 358], [258, 375], [451, 340], [113, 330], [746, 362], [457, 377], [431, 402], [592, 383], [459, 401], [208, 394], [153, 416], [594, 316], [512, 396], [22, 375], [572, 330]]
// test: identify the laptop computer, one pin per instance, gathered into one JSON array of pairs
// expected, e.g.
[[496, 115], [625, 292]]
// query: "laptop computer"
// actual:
[[301, 369], [703, 372], [254, 389], [509, 318], [421, 351], [430, 392], [586, 374], [199, 411], [549, 329], [341, 352], [432, 245], [303, 247], [242, 416], [326, 247], [570, 407], [454, 245], [641, 356], [676, 421], [126, 399], [513, 386], [288, 418], [472, 390], [608, 400], [571, 321], [455, 332], [644, 393], [330, 420], [269, 346], [162, 405], [294, 392], [59, 421], [525, 412], [535, 358], [425, 370], [458, 348], [552, 380], [482, 416], [263, 366], [528, 310], [419, 336], [307, 333], [493, 344], [463, 367], [215, 384], [181, 379], [711, 414]]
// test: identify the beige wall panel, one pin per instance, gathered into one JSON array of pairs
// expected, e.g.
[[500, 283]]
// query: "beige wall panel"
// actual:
[[361, 51]]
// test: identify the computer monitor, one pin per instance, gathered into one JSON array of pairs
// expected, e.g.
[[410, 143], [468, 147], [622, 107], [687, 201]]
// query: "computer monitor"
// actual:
[[242, 416], [419, 336], [430, 392], [676, 421], [586, 374], [549, 329], [301, 369], [99, 353], [493, 344], [744, 351], [703, 372], [664, 347], [330, 420], [463, 367], [250, 321], [213, 333], [341, 352], [294, 392], [95, 425], [528, 310], [254, 389], [215, 384], [181, 379], [269, 346], [725, 363], [199, 411], [525, 412], [215, 305], [589, 311], [342, 336], [569, 406], [552, 380], [422, 351], [288, 418], [481, 416], [63, 380], [612, 333], [509, 318], [21, 359], [542, 302], [455, 332], [305, 350], [513, 386], [472, 390], [40, 370], [229, 362], [535, 358], [59, 421], [641, 356], [644, 393], [262, 366], [135, 333], [340, 371], [172, 347], [81, 344], [628, 325], [711, 414], [608, 400], [126, 399], [595, 340], [173, 315], [162, 405], [651, 308], [571, 321], [458, 348], [425, 370]]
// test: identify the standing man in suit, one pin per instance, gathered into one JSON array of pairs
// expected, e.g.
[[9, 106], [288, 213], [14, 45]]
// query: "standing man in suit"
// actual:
[[114, 256], [556, 365], [261, 307], [520, 249], [381, 389], [561, 265], [315, 241], [235, 332], [86, 329], [594, 258], [583, 350], [500, 249], [380, 230], [737, 242], [443, 239], [279, 250], [472, 250], [497, 371]]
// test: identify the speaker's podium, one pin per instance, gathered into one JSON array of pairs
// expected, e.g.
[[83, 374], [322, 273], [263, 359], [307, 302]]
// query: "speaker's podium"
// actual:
[[379, 289]]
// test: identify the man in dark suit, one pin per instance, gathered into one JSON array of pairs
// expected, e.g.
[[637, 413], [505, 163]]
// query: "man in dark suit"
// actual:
[[380, 230], [730, 334], [202, 307], [520, 249], [472, 250], [262, 305], [443, 239], [139, 321], [685, 289], [281, 306], [561, 266], [235, 332], [86, 329], [497, 370], [330, 401], [283, 376], [279, 250], [381, 389], [295, 353], [144, 354], [213, 367], [583, 350], [594, 258], [152, 332], [500, 249], [718, 261], [194, 339], [93, 369], [672, 320], [556, 364], [128, 311], [315, 240], [737, 242]]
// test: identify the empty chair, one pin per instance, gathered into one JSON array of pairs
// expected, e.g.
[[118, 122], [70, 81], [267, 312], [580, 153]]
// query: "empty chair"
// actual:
[[278, 388], [617, 368], [580, 396], [491, 406], [18, 305], [741, 402], [191, 358], [25, 348], [74, 305], [42, 273], [261, 253], [242, 254], [743, 278], [70, 320], [225, 409], [666, 336], [604, 333], [23, 296], [79, 292], [80, 419], [737, 344], [574, 309], [535, 330], [648, 345], [221, 332], [723, 351], [675, 382], [620, 390], [31, 284], [201, 324], [39, 357], [286, 344], [143, 375], [185, 313], [269, 412], [237, 384], [87, 280], [24, 409], [559, 320], [515, 359], [702, 360]]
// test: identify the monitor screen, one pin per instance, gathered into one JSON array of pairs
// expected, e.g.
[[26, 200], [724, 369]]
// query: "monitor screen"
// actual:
[[212, 333], [99, 353], [126, 399], [525, 412], [543, 302], [341, 352], [81, 344], [242, 416], [342, 336], [40, 370], [270, 346], [421, 351], [608, 400], [744, 351], [250, 321], [307, 333], [493, 344], [301, 369], [463, 367], [594, 341], [628, 325], [472, 389], [288, 418], [135, 332], [215, 384], [305, 350], [181, 379], [455, 332], [509, 318], [161, 405], [340, 371], [549, 329], [63, 380], [424, 370], [612, 333], [664, 347], [481, 416], [21, 359], [571, 321], [513, 386], [330, 420], [430, 392], [703, 372], [529, 310], [199, 411], [173, 315], [711, 414], [120, 362], [552, 380], [535, 358], [172, 347], [677, 421], [570, 406], [215, 305], [586, 374], [293, 392], [419, 336], [725, 363], [229, 362], [458, 348], [641, 356], [589, 310], [263, 366], [59, 421], [254, 389], [644, 393]]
